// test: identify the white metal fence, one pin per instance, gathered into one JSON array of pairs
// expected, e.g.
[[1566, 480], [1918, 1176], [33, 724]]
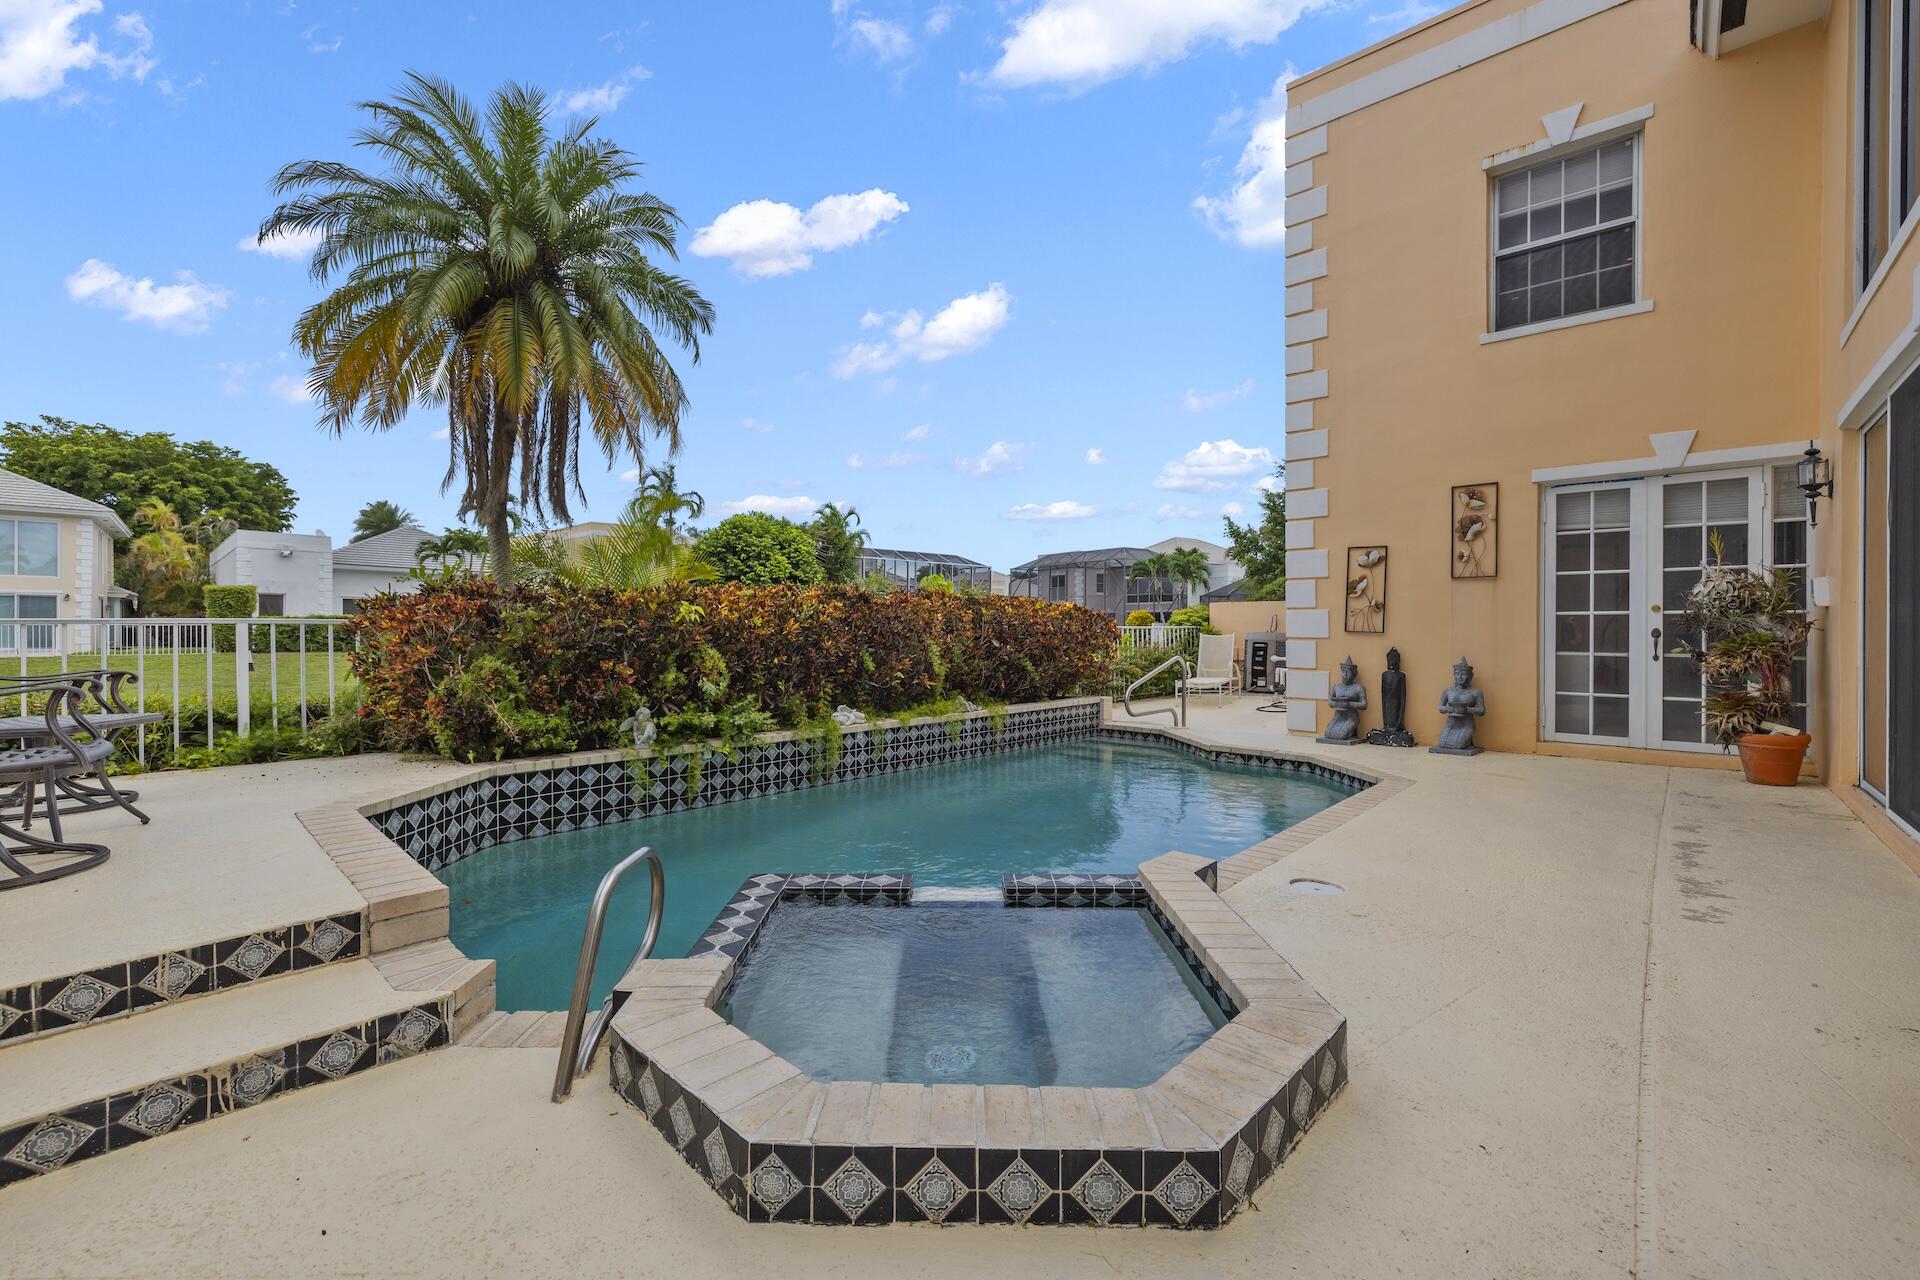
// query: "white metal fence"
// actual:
[[1162, 635], [211, 676]]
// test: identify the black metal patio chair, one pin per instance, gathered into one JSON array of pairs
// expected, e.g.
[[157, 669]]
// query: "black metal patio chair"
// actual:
[[110, 721], [41, 768]]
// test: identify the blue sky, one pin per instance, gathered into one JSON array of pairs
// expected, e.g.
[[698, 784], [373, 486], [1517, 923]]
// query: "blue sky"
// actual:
[[1005, 276]]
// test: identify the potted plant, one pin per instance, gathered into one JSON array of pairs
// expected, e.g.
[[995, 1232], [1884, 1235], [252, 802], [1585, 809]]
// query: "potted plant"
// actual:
[[1754, 626]]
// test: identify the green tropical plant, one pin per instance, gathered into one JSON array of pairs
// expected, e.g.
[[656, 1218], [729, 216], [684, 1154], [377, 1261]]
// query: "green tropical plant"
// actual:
[[660, 485], [452, 545], [502, 271], [1139, 618], [638, 550], [760, 549], [378, 517], [1260, 547], [1754, 626], [937, 582], [1194, 615], [162, 566], [838, 541]]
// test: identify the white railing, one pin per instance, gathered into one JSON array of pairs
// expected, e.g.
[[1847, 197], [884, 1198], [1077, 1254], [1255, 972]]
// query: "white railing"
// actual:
[[1162, 635], [260, 663]]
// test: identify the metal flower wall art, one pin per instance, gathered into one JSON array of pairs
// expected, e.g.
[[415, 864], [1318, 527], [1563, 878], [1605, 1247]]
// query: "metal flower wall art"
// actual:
[[1366, 590], [1475, 536]]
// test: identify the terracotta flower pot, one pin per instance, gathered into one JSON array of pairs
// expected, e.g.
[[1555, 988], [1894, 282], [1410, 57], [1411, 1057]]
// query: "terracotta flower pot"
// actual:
[[1772, 759]]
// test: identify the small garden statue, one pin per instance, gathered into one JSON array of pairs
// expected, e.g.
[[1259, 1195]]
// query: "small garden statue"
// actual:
[[1393, 706], [847, 718], [1347, 699], [1460, 703], [640, 724]]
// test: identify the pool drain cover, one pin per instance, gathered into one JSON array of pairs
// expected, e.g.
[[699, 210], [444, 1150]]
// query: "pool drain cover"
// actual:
[[1314, 886], [950, 1059]]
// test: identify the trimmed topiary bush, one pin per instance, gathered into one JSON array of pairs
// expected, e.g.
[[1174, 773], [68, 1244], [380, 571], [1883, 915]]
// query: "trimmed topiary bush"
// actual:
[[228, 602], [1139, 618]]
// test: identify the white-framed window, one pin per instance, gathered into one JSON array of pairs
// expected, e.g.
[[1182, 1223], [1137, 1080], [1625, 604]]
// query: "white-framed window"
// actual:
[[1886, 130], [30, 548], [1566, 235], [272, 604]]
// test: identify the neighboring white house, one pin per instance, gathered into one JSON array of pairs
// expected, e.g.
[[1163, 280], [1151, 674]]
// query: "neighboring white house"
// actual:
[[1222, 569], [304, 573], [56, 561]]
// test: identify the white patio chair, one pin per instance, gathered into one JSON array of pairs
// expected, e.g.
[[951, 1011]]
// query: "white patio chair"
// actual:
[[1213, 671]]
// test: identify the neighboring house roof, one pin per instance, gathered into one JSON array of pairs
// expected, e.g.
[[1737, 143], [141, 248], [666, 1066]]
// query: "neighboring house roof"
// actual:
[[1235, 590], [883, 553], [30, 497], [396, 550], [1213, 549], [1085, 559]]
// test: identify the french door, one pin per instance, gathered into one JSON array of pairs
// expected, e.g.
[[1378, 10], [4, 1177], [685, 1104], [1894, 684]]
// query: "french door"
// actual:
[[1620, 559]]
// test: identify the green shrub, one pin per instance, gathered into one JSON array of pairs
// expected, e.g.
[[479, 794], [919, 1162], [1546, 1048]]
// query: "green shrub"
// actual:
[[228, 602], [937, 582], [707, 660], [761, 549], [1135, 662], [1139, 618], [1194, 615]]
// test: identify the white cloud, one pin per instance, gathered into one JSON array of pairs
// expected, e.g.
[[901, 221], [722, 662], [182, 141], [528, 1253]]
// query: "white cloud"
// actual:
[[1078, 43], [1062, 510], [999, 456], [1407, 15], [1269, 483], [771, 238], [233, 375], [291, 389], [1250, 213], [631, 475], [886, 41], [185, 306], [1096, 457], [864, 462], [601, 98], [920, 432], [291, 246], [938, 20], [1201, 401], [40, 43], [317, 43], [754, 424], [1169, 511], [446, 433], [793, 508], [963, 325], [1232, 508], [1213, 465]]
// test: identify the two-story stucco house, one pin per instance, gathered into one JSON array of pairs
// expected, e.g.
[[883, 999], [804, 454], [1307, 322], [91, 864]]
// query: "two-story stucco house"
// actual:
[[1615, 265], [56, 561]]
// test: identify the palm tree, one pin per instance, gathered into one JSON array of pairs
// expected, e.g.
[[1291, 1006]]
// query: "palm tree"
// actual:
[[455, 544], [838, 540], [161, 566], [639, 550], [501, 270], [378, 517], [1188, 567], [669, 502]]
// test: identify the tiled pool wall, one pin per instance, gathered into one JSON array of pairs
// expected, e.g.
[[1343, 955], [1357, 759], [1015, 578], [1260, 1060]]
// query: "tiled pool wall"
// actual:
[[519, 800], [872, 1183]]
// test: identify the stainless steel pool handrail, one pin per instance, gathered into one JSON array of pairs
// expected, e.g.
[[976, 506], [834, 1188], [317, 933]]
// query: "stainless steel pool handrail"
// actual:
[[1180, 691], [579, 1041]]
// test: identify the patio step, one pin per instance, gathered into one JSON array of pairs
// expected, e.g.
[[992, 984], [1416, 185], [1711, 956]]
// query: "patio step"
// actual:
[[526, 1030], [109, 1085], [438, 965]]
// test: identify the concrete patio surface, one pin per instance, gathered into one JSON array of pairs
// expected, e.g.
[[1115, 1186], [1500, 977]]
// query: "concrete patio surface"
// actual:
[[1605, 1020]]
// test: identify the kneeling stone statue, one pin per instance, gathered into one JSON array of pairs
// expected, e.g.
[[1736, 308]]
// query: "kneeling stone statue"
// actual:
[[1348, 699], [1461, 704]]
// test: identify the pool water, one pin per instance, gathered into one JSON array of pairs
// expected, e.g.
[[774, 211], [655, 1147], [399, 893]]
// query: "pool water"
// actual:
[[1080, 806], [971, 995]]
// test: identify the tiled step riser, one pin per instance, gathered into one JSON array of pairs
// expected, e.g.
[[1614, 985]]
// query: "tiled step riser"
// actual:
[[43, 1144], [123, 989]]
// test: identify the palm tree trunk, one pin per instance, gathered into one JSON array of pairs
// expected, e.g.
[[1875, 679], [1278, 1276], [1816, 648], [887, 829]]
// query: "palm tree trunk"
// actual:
[[504, 443], [500, 545]]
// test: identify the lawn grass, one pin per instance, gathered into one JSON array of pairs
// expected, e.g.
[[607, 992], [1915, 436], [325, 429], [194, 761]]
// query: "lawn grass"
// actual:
[[157, 678]]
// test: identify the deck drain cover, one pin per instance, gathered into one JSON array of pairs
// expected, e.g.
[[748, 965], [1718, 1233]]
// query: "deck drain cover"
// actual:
[[950, 1059], [1314, 886]]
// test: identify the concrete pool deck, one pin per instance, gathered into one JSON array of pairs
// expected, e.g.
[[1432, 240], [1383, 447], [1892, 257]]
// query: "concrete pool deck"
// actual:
[[1605, 1020]]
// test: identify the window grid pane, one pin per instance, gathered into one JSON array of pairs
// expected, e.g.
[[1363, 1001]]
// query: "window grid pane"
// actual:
[[1564, 236], [1591, 634]]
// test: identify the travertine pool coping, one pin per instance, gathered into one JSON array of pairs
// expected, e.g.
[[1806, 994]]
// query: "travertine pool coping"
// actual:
[[1186, 1151]]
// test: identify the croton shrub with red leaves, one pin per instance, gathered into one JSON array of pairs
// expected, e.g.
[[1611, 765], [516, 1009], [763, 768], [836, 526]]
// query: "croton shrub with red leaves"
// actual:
[[591, 657]]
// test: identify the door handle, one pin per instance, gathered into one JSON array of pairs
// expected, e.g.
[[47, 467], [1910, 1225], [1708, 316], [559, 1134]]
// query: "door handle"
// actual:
[[1656, 644]]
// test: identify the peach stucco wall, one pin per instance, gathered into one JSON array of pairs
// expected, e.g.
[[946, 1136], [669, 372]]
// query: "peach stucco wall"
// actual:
[[1416, 403]]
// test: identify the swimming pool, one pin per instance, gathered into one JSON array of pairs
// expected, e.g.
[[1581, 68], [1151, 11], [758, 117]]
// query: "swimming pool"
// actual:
[[1085, 805], [970, 995]]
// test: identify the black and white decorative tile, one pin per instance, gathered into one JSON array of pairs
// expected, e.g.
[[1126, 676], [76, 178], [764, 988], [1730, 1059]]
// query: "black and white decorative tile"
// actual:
[[1202, 974], [1057, 889], [47, 1143], [1249, 759]]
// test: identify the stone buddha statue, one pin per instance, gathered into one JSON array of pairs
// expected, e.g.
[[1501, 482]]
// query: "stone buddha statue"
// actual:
[[1347, 699], [1460, 704], [1393, 706]]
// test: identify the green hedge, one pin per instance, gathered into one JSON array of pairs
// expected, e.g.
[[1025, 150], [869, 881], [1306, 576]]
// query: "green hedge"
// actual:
[[471, 671], [228, 602]]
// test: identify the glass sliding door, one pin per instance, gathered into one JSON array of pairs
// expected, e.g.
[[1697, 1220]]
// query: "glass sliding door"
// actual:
[[1595, 581], [1874, 584]]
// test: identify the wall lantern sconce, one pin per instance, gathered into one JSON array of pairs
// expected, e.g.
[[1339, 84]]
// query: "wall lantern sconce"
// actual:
[[1815, 475]]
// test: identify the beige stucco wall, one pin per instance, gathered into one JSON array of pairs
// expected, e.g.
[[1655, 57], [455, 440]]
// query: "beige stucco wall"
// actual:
[[1244, 617], [1416, 404]]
